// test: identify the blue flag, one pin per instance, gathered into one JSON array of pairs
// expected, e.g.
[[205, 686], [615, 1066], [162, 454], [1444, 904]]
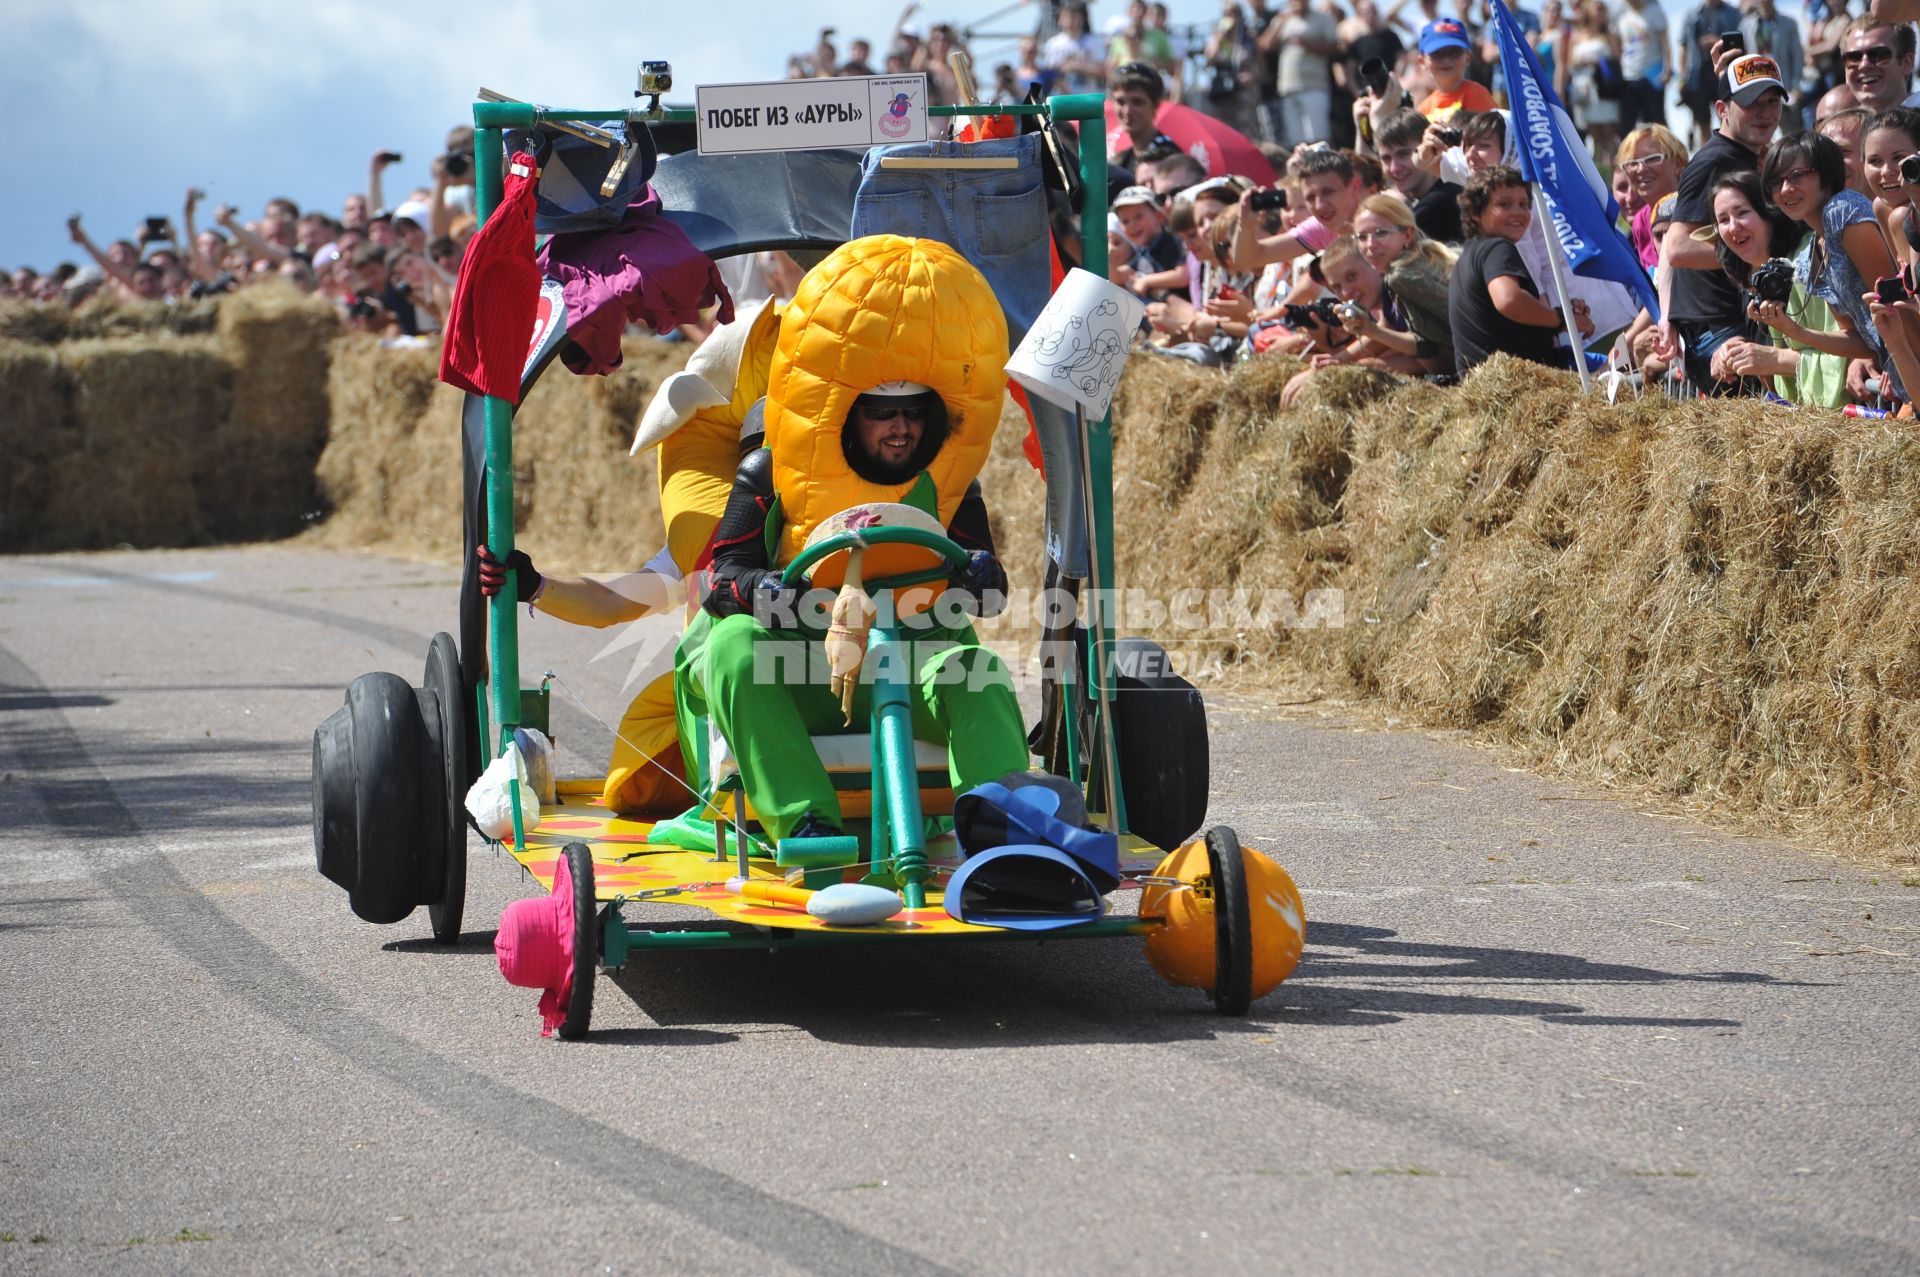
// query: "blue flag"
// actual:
[[1553, 154]]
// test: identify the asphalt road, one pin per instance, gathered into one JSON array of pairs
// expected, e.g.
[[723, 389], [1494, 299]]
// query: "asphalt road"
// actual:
[[1536, 1030]]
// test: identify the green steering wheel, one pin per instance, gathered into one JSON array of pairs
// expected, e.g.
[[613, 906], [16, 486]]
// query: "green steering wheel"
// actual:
[[941, 545]]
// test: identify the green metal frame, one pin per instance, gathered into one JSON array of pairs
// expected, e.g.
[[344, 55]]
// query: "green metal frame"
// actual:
[[896, 779]]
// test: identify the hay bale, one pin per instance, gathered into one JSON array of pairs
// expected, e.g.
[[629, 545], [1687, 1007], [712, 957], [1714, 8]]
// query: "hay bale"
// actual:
[[137, 471], [278, 339], [390, 471], [37, 426]]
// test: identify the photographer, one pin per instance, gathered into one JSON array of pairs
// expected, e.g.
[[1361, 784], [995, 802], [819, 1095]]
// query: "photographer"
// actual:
[[1494, 305], [1753, 241], [121, 263], [1805, 176], [1365, 312], [1210, 333], [1330, 192], [1435, 203]]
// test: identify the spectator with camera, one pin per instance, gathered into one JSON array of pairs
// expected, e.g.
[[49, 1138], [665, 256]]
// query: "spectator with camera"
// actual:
[[1805, 177], [1494, 305], [1209, 329], [1754, 242], [1330, 192], [1889, 143], [1362, 311]]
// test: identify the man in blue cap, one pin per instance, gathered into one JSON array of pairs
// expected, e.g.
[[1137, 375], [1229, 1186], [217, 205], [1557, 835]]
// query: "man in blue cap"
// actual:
[[1445, 52]]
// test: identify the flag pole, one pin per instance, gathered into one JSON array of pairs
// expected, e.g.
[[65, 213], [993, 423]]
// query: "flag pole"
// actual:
[[1559, 270]]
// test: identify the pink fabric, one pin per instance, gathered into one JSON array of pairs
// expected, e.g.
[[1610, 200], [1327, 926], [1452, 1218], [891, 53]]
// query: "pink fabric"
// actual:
[[1642, 235], [535, 947], [646, 271], [1313, 234]]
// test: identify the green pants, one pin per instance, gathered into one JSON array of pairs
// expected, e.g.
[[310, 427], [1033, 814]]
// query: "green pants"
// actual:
[[767, 692]]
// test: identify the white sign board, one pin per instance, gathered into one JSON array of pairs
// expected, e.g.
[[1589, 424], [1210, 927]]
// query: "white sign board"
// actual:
[[811, 115]]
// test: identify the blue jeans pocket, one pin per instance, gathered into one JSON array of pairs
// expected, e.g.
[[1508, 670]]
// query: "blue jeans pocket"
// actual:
[[1008, 224], [908, 213]]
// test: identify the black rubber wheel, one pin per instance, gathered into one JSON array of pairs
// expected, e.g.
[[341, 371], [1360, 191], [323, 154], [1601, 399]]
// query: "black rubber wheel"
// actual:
[[390, 793], [448, 729], [1160, 726], [578, 861], [335, 852], [1232, 923]]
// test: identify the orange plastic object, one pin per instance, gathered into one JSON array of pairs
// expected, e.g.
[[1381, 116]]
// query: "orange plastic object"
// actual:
[[1183, 950]]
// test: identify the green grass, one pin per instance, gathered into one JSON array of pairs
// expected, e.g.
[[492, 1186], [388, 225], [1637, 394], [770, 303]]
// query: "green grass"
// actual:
[[189, 1235]]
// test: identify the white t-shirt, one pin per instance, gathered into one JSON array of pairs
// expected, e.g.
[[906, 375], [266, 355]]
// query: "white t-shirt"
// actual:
[[1643, 41]]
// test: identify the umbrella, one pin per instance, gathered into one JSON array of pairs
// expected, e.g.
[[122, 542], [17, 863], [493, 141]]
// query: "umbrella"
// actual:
[[1222, 149]]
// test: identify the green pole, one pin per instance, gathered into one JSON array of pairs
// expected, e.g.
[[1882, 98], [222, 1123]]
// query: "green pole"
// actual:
[[893, 726], [503, 624], [1090, 109]]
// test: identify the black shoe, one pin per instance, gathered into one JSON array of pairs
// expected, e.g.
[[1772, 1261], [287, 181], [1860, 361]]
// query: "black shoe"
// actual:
[[812, 826]]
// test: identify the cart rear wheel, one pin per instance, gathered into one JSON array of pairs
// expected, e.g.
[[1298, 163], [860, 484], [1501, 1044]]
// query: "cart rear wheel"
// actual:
[[447, 724], [392, 789], [1232, 923], [577, 862], [334, 851], [1160, 724]]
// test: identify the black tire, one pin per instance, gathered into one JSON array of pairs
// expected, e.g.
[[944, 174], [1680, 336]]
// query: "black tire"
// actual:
[[335, 851], [578, 861], [1232, 923], [391, 792], [448, 727], [1160, 726]]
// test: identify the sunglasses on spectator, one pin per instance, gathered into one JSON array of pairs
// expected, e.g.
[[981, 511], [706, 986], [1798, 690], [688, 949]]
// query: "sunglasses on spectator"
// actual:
[[888, 414], [1875, 54], [1136, 68], [1644, 162]]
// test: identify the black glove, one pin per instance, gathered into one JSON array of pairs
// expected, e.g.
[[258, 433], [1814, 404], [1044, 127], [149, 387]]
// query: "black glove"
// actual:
[[776, 605], [493, 574], [985, 579]]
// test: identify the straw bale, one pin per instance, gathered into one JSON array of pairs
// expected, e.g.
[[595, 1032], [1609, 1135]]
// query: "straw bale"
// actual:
[[278, 339], [36, 427], [390, 471], [137, 472]]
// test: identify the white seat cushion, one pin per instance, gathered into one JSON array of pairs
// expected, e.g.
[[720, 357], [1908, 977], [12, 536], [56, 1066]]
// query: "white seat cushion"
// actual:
[[849, 753]]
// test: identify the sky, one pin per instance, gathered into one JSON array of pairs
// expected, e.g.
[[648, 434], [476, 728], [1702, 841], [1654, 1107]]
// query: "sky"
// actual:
[[118, 106]]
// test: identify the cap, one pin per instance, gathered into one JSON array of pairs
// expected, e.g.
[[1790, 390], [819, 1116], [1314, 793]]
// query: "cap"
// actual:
[[1135, 195], [898, 389], [1749, 77], [1443, 33]]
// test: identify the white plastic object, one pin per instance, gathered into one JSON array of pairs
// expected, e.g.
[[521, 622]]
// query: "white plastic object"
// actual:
[[490, 801]]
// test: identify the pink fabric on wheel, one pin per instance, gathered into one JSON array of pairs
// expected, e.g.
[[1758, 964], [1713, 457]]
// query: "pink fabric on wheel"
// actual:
[[535, 947]]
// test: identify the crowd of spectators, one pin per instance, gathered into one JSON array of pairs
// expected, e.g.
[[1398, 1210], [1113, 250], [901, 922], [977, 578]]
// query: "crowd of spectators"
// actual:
[[390, 268], [1779, 236], [1764, 167]]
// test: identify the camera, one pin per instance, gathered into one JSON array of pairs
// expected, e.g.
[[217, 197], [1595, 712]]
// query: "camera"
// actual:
[[1773, 281], [388, 157], [1892, 289], [1304, 314], [224, 283], [1350, 312], [456, 163], [657, 77], [1446, 136], [1734, 40], [1910, 170], [155, 229], [1267, 201], [1374, 74]]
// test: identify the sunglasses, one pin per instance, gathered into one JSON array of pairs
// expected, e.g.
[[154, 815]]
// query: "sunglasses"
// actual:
[[1644, 163], [888, 414], [1876, 54]]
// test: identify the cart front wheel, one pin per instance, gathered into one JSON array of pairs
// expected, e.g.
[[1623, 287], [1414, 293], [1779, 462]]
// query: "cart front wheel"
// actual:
[[1232, 923], [577, 863]]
